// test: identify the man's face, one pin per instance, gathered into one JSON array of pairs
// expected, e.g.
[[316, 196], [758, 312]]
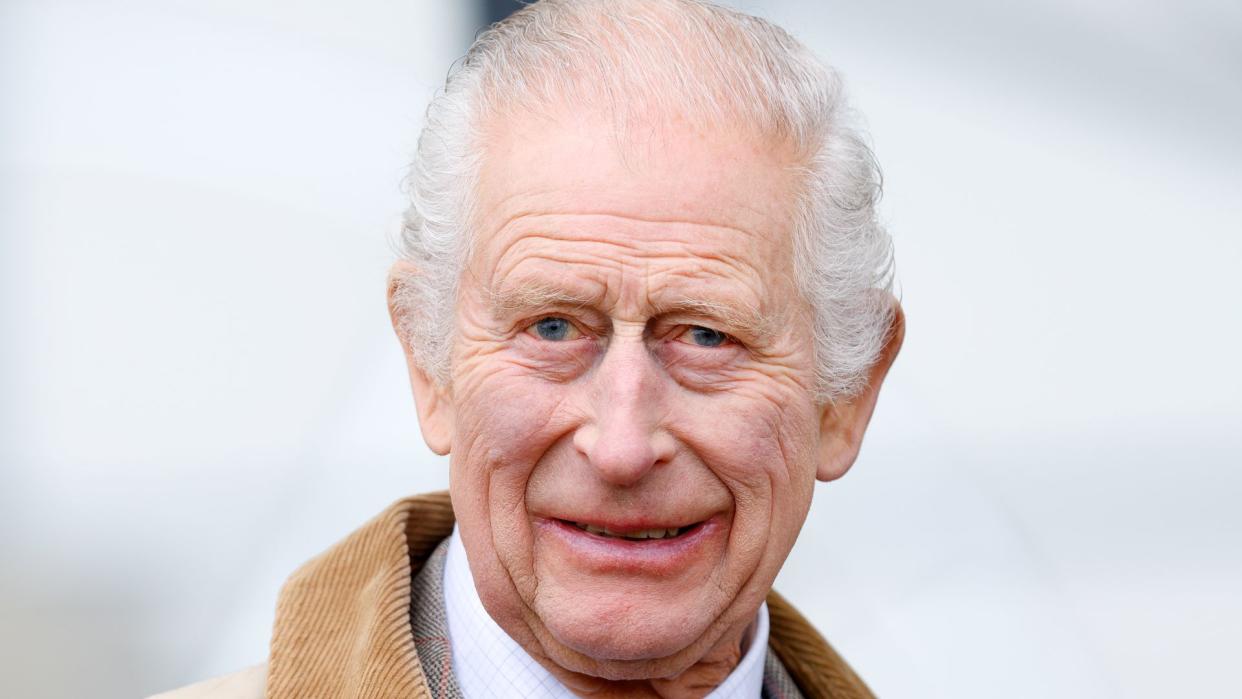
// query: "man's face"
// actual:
[[633, 431]]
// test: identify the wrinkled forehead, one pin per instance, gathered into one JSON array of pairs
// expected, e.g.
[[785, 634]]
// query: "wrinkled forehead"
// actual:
[[656, 168]]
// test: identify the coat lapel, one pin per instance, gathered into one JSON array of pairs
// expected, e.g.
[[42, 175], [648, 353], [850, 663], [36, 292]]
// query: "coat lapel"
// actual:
[[342, 621]]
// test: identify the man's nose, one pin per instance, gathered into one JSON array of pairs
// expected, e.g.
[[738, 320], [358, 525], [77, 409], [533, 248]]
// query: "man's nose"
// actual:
[[625, 439]]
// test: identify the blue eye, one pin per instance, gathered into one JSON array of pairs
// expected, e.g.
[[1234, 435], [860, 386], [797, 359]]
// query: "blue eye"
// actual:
[[706, 337], [553, 328]]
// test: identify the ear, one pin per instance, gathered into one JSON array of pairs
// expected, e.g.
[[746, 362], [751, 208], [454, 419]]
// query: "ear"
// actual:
[[843, 423], [433, 401]]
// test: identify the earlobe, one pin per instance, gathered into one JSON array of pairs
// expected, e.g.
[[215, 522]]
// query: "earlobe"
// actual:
[[842, 424], [435, 410], [432, 401]]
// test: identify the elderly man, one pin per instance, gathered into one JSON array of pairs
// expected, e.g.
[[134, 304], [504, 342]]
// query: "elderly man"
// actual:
[[644, 301]]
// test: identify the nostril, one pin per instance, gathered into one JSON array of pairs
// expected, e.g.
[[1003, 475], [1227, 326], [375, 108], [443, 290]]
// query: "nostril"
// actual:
[[585, 438], [664, 446]]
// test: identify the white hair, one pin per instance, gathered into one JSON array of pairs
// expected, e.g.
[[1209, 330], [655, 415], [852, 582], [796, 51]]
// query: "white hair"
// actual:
[[674, 56]]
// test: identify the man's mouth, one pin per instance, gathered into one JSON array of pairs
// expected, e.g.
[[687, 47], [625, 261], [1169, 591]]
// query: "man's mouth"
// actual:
[[648, 548], [633, 535]]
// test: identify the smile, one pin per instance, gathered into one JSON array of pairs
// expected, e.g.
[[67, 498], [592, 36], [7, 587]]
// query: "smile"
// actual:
[[637, 548], [639, 535]]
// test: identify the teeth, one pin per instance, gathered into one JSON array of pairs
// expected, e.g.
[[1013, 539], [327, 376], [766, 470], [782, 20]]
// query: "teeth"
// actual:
[[661, 533]]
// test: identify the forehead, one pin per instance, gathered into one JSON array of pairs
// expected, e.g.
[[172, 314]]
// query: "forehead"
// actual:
[[666, 191]]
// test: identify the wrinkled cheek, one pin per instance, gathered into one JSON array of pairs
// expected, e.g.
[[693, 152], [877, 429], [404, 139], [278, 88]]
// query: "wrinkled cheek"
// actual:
[[503, 429], [764, 455], [502, 424], [795, 483], [764, 450]]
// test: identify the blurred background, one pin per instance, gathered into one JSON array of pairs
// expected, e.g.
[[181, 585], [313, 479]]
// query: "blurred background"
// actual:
[[201, 390]]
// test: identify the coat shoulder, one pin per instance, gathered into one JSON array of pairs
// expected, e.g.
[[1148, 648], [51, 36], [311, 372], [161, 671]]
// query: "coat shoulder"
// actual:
[[246, 684]]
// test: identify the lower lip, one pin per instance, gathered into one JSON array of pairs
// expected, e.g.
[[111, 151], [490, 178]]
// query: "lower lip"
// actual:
[[653, 557]]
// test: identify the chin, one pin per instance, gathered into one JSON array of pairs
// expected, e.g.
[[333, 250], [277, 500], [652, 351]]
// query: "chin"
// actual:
[[628, 636]]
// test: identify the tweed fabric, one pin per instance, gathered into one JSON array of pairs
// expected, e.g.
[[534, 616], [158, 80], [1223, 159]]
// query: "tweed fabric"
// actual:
[[430, 626], [777, 684], [365, 620]]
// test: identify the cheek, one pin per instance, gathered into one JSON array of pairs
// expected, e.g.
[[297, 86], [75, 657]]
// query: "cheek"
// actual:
[[502, 412], [762, 449], [753, 441], [505, 423]]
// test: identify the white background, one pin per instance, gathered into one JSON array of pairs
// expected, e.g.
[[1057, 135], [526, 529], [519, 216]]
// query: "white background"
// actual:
[[200, 388]]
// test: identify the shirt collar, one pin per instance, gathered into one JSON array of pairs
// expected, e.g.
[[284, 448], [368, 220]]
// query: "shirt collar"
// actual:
[[488, 663]]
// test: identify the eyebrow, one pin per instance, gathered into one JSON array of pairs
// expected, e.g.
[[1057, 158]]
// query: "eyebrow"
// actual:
[[746, 321], [529, 296]]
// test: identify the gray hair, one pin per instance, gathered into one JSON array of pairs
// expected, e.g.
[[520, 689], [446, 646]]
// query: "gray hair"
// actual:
[[686, 55]]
